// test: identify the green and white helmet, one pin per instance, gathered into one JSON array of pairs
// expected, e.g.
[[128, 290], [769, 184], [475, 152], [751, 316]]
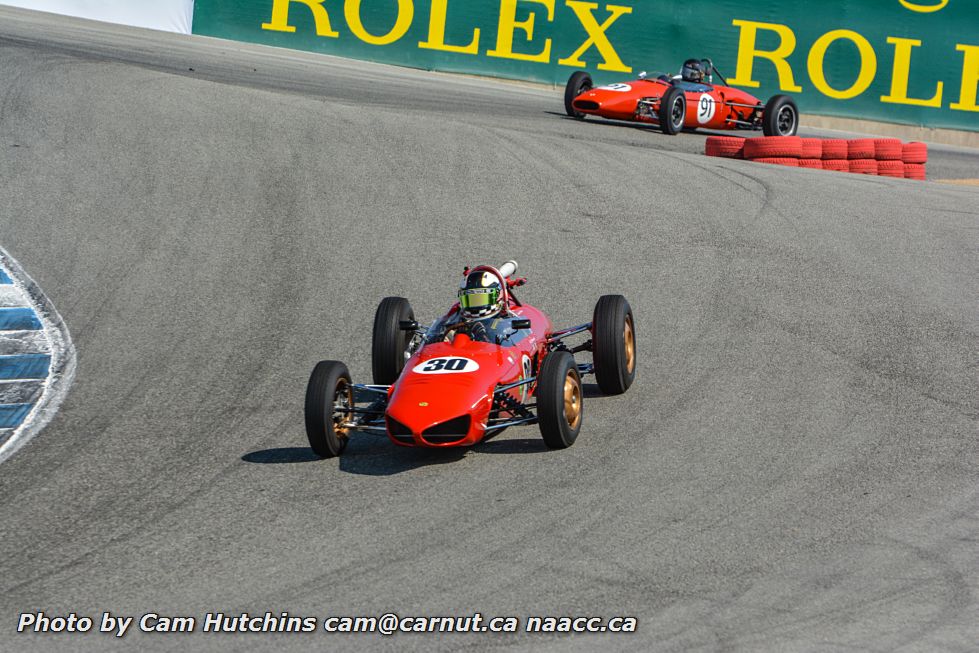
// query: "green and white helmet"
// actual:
[[480, 295]]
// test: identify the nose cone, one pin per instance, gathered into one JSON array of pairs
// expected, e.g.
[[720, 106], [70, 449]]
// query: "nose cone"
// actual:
[[445, 395]]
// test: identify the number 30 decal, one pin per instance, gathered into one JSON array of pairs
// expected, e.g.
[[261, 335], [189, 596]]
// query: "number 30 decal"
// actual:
[[705, 109], [446, 366]]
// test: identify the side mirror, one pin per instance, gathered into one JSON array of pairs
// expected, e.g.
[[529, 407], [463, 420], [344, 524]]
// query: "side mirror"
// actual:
[[408, 325], [642, 75], [520, 324]]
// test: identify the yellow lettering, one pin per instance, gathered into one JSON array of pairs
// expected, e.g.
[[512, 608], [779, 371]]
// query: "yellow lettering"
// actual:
[[436, 32], [970, 79], [923, 9], [868, 64], [509, 24], [406, 11], [902, 74], [747, 53], [280, 17], [596, 36]]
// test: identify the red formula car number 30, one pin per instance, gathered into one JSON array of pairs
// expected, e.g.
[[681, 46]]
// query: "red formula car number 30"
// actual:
[[685, 101], [489, 363]]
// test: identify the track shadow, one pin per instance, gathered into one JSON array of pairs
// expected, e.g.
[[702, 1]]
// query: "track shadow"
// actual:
[[375, 456], [591, 391], [512, 446], [642, 126], [281, 455]]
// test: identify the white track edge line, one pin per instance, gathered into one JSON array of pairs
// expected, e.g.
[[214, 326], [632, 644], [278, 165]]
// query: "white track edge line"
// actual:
[[61, 373]]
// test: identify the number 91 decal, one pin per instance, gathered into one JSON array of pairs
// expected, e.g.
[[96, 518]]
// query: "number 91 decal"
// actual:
[[705, 108], [454, 365], [619, 88]]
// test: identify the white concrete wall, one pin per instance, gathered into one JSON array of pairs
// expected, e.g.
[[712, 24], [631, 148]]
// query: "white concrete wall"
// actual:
[[167, 15]]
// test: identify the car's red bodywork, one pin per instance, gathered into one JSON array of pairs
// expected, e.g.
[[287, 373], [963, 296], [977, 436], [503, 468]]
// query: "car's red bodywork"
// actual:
[[471, 375], [421, 400], [709, 106]]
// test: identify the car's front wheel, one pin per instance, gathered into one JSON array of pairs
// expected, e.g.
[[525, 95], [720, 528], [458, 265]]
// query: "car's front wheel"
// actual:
[[614, 344], [672, 111], [578, 83], [389, 342], [329, 407], [559, 400]]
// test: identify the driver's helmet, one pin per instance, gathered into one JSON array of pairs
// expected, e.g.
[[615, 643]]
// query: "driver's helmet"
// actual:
[[480, 295], [692, 71]]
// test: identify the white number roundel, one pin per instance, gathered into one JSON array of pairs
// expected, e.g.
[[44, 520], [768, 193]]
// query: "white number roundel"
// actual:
[[705, 108], [448, 365], [621, 88]]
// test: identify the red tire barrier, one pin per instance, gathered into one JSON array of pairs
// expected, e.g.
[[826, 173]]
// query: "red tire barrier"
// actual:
[[834, 148], [840, 165], [779, 161], [890, 169], [812, 148], [726, 146], [914, 152], [914, 171], [887, 149], [816, 164], [860, 148], [772, 147], [864, 166]]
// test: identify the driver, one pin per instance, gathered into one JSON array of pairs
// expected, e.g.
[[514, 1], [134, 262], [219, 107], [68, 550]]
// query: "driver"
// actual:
[[692, 71], [481, 299]]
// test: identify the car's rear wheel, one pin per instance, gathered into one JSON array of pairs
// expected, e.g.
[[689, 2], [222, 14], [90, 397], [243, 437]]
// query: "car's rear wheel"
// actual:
[[578, 83], [329, 407], [672, 111], [781, 117], [559, 400], [389, 343], [614, 344]]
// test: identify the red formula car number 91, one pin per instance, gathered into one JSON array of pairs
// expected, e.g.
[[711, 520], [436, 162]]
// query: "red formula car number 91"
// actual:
[[689, 100]]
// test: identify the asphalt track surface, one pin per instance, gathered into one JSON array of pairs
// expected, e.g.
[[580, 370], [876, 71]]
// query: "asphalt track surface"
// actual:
[[795, 467]]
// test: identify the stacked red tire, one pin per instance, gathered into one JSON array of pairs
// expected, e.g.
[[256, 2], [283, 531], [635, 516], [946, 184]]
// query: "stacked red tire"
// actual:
[[860, 148], [730, 147], [889, 168], [914, 153], [773, 147], [887, 157], [863, 166], [835, 149], [778, 160], [888, 149], [914, 171]]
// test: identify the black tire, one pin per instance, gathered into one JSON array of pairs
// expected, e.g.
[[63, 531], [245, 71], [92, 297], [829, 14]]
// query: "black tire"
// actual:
[[781, 117], [559, 400], [672, 111], [388, 342], [329, 387], [614, 344], [578, 83]]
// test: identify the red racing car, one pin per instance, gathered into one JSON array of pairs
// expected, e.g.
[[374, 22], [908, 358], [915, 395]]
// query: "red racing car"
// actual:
[[685, 101], [489, 363]]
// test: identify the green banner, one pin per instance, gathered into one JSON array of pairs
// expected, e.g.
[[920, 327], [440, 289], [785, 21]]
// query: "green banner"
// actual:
[[903, 61]]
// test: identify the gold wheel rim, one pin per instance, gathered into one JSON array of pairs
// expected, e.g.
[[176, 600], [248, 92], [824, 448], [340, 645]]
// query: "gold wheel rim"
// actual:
[[572, 399], [629, 336], [343, 400]]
